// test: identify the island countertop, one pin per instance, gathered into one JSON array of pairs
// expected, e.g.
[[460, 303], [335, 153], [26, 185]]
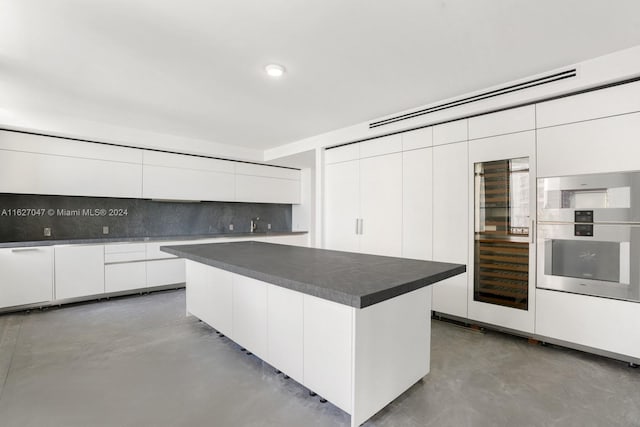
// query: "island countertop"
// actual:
[[353, 279]]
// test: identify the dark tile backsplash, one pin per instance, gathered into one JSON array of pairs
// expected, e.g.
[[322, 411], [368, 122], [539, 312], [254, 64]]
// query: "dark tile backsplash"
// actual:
[[24, 217]]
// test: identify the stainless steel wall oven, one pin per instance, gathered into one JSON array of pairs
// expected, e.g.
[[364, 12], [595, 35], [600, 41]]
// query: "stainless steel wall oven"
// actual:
[[589, 234]]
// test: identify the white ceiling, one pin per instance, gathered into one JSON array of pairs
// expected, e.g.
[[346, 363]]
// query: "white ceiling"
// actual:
[[193, 68]]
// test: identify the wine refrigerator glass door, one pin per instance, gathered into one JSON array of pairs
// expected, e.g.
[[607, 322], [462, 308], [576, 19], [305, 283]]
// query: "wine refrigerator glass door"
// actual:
[[502, 250], [501, 271]]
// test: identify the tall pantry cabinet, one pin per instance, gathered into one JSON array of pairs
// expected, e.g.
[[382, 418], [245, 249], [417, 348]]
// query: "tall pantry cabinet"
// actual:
[[363, 200]]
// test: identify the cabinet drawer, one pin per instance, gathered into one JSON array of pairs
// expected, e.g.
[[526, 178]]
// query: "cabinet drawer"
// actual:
[[165, 272], [125, 252], [123, 277], [154, 252]]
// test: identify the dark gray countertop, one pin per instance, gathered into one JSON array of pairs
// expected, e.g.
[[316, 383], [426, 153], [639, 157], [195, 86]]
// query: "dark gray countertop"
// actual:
[[142, 239], [353, 279]]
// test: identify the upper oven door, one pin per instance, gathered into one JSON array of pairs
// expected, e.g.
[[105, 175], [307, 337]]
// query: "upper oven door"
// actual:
[[613, 197], [606, 264]]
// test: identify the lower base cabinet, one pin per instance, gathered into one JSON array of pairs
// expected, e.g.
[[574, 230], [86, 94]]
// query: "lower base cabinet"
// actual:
[[359, 359], [450, 296], [598, 323], [125, 276], [79, 271], [27, 276], [165, 272]]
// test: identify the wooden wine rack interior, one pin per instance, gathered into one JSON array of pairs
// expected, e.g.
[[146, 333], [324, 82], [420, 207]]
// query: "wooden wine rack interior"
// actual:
[[502, 260]]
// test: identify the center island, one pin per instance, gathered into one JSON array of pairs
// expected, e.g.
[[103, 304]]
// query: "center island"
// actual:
[[353, 328]]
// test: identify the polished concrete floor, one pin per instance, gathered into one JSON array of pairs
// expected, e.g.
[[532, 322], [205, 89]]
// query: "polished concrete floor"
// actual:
[[139, 361]]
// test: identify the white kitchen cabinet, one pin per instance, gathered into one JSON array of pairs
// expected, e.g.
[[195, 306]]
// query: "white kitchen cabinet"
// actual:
[[599, 323], [342, 206], [125, 276], [285, 322], [250, 314], [27, 276], [363, 205], [503, 122], [210, 296], [488, 303], [417, 209], [166, 183], [34, 173], [416, 139], [35, 164], [621, 99], [165, 272], [595, 146], [381, 205], [79, 271], [380, 146], [267, 184], [328, 350], [450, 224], [447, 133]]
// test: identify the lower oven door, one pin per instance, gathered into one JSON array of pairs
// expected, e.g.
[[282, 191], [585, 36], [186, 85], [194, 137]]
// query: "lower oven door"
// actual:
[[606, 264]]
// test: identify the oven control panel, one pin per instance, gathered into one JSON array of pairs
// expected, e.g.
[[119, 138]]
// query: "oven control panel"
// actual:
[[584, 224]]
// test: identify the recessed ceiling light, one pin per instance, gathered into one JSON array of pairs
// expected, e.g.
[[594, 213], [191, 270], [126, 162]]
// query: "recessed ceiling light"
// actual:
[[274, 70]]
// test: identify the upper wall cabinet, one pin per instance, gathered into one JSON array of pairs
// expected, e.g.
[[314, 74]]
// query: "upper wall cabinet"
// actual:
[[594, 146], [415, 139], [34, 164], [612, 101], [181, 177], [267, 184], [447, 133], [503, 122], [379, 146]]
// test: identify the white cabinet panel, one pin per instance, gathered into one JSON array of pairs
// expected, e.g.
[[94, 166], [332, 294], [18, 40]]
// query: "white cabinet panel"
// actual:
[[450, 223], [161, 182], [415, 139], [47, 174], [417, 210], [600, 323], [250, 315], [342, 206], [79, 271], [381, 205], [180, 161], [210, 296], [342, 154], [447, 133], [27, 276], [503, 122], [17, 141], [125, 276], [165, 272], [153, 250], [379, 146], [285, 322], [268, 171], [615, 100], [262, 189], [328, 350], [596, 146]]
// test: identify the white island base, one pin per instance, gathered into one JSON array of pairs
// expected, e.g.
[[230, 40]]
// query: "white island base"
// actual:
[[359, 359]]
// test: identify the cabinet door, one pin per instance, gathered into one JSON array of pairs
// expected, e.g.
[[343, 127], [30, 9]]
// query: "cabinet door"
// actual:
[[79, 271], [450, 224], [285, 330], [250, 315], [161, 182], [417, 195], [381, 205], [165, 272], [328, 349], [502, 207], [263, 189], [342, 201], [596, 146], [27, 276], [210, 296]]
